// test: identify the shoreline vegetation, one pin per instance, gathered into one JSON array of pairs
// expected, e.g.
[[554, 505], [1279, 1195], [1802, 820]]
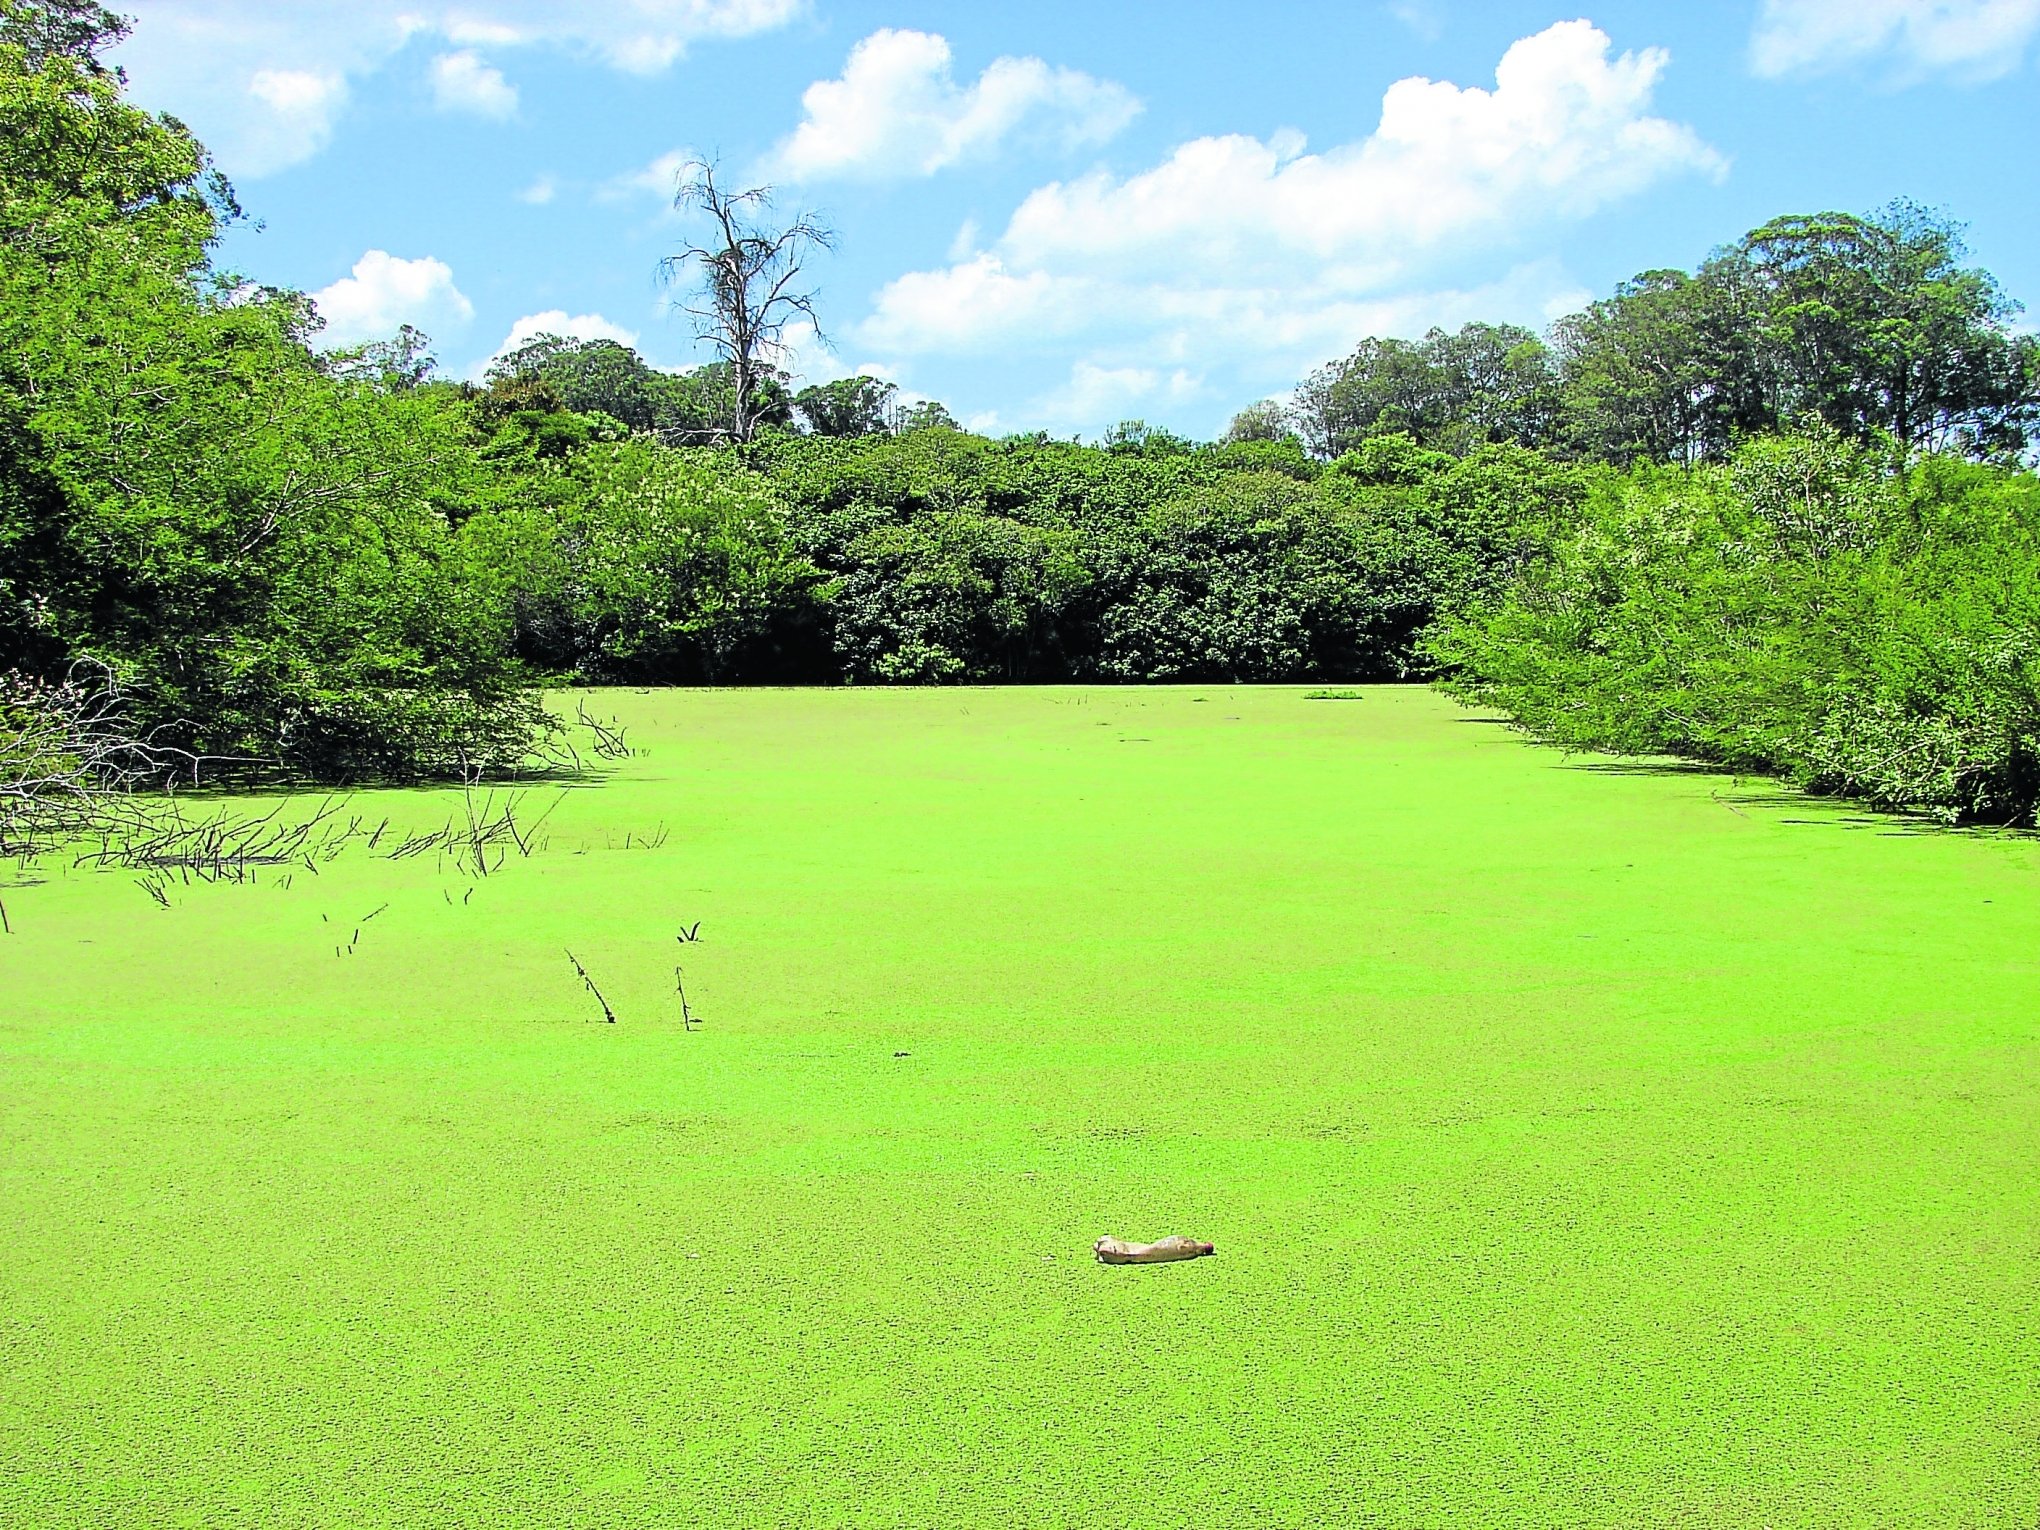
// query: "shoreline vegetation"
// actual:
[[1773, 514]]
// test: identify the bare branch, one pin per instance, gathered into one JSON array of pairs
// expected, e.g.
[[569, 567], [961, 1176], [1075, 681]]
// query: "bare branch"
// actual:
[[70, 761], [744, 279]]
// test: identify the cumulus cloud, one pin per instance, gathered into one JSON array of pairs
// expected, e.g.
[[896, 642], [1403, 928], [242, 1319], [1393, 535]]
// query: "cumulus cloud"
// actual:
[[813, 360], [263, 82], [1155, 347], [971, 304], [897, 110], [1163, 349], [1564, 131], [1242, 247], [542, 190], [384, 292], [1976, 39], [464, 82]]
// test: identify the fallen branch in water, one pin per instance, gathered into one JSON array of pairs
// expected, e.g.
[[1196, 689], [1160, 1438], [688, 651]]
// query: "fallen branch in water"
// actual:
[[71, 760], [608, 738]]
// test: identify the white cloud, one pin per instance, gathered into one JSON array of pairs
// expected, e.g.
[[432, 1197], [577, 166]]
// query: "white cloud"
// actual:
[[1235, 248], [384, 292], [464, 82], [1152, 347], [807, 356], [659, 180], [542, 190], [1976, 39], [556, 321], [1563, 132], [301, 105], [637, 36], [968, 305], [1420, 16], [262, 81], [813, 361], [897, 110]]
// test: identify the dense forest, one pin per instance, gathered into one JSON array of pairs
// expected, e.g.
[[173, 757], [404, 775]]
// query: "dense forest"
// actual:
[[1772, 513]]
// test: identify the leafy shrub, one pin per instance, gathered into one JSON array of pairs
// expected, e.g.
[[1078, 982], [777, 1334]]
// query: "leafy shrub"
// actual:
[[1814, 608]]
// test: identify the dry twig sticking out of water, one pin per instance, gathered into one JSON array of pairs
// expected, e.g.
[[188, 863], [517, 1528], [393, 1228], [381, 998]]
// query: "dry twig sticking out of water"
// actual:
[[589, 983], [687, 1020]]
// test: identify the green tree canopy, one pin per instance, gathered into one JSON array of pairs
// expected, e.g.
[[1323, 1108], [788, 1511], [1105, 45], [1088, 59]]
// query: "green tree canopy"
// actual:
[[849, 406], [254, 540], [1867, 326], [587, 376], [1480, 384]]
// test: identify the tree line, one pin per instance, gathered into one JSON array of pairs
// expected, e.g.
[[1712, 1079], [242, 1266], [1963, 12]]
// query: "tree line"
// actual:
[[1768, 513], [1868, 327]]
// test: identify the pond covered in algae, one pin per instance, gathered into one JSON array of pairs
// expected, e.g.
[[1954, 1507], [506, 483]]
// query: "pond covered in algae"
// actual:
[[1581, 1145]]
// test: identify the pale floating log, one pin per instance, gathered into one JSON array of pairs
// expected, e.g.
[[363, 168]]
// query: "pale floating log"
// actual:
[[1112, 1250]]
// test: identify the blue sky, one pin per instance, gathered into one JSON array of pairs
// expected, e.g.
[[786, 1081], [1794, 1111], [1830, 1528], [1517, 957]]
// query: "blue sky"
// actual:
[[1057, 215]]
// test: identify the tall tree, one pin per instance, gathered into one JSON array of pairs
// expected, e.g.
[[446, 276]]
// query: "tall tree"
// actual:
[[1495, 384], [586, 376], [1454, 390], [1636, 373], [928, 414], [849, 406], [255, 543], [747, 273], [1386, 387], [1871, 327], [693, 407], [1880, 329], [1269, 420], [405, 360]]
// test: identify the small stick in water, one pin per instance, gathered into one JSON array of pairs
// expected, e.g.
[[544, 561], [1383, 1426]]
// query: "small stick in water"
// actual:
[[607, 1013], [680, 987]]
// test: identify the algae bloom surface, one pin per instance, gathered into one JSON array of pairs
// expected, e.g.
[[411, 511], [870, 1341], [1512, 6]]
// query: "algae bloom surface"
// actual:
[[1582, 1146]]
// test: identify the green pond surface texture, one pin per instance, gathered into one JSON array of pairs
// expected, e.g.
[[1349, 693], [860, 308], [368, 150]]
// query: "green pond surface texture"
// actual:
[[1583, 1145]]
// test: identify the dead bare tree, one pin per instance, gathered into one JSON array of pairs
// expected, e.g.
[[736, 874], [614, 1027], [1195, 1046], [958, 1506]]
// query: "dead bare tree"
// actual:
[[746, 272]]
